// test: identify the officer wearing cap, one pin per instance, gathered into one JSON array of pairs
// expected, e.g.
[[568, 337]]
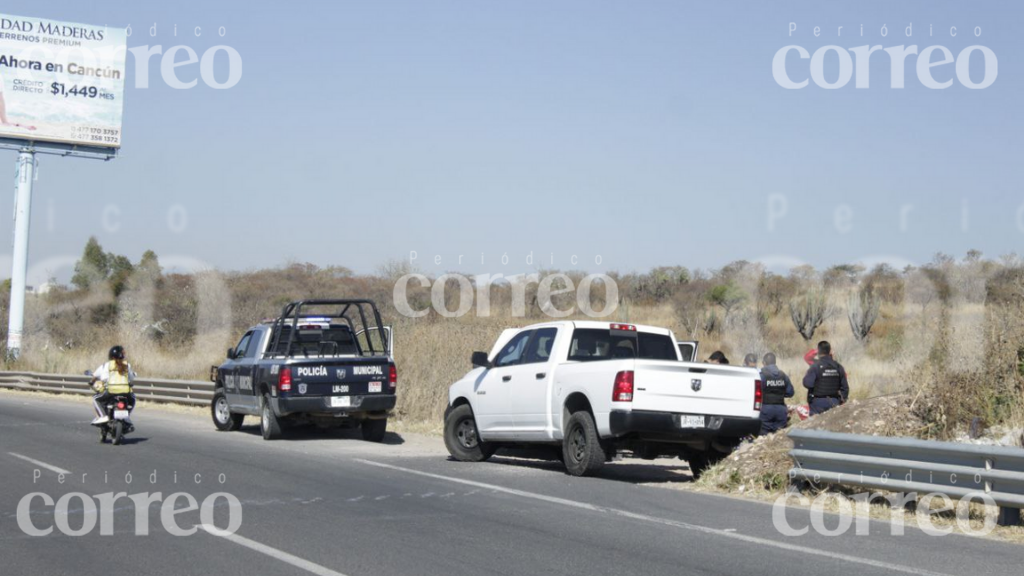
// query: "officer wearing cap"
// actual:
[[826, 381], [777, 387]]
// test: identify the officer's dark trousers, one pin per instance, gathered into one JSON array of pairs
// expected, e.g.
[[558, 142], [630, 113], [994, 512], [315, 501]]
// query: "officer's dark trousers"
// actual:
[[819, 405], [774, 417]]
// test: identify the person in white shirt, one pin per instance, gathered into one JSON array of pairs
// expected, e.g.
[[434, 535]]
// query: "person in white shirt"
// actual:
[[112, 378]]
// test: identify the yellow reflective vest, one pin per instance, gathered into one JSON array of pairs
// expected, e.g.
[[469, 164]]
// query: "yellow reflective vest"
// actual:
[[118, 383]]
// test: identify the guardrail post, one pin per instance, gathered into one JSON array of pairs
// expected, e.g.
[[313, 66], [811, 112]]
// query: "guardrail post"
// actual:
[[1008, 516], [910, 504]]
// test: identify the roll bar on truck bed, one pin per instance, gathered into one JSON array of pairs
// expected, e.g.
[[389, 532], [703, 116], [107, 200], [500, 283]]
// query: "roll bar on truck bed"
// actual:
[[292, 313]]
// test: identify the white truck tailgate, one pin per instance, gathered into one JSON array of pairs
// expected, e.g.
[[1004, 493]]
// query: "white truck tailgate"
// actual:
[[685, 388]]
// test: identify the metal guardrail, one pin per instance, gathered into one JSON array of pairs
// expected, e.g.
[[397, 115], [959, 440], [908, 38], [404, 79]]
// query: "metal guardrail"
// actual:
[[911, 465], [189, 392]]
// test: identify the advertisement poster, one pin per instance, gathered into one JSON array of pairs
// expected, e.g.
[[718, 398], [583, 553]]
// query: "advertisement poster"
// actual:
[[61, 82]]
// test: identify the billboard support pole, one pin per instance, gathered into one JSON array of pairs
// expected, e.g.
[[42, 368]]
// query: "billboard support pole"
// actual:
[[27, 150], [19, 269]]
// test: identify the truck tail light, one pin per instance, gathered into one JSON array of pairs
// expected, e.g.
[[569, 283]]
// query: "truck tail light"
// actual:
[[758, 398], [622, 391], [392, 377], [284, 380], [624, 327]]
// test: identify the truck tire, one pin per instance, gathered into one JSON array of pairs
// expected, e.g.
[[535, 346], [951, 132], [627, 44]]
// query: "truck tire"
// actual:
[[461, 438], [373, 430], [223, 419], [270, 425], [582, 450]]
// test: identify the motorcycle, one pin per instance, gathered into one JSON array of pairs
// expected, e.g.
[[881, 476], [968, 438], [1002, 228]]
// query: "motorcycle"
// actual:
[[118, 410]]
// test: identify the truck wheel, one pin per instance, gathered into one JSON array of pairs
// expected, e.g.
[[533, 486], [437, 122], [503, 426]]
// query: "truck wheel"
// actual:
[[223, 419], [270, 426], [583, 453], [373, 430], [461, 438]]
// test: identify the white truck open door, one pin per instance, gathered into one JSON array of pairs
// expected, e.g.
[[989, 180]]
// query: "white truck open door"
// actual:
[[687, 350]]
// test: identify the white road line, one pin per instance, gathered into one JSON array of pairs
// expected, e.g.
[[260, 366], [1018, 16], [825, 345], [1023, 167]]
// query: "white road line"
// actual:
[[801, 549], [40, 464], [272, 552]]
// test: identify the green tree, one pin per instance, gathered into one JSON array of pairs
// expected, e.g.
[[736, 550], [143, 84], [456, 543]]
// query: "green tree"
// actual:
[[842, 275], [728, 296], [93, 267], [149, 265], [121, 269]]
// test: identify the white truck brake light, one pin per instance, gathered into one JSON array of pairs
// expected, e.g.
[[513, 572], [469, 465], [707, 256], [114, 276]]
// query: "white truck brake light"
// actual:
[[622, 391]]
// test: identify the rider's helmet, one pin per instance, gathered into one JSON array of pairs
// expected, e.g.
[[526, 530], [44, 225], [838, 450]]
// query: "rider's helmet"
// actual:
[[116, 353]]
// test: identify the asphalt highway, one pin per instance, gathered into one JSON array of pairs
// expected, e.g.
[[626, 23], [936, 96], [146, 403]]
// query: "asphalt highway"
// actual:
[[329, 504]]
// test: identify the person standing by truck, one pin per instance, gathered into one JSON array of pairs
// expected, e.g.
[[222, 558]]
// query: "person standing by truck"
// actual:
[[718, 357], [777, 387], [826, 381]]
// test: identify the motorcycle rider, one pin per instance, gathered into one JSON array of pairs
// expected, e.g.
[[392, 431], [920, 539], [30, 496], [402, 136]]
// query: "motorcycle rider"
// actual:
[[113, 377]]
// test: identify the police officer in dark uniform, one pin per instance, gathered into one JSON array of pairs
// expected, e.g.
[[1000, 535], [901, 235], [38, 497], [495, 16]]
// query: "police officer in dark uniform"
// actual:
[[826, 381], [777, 387]]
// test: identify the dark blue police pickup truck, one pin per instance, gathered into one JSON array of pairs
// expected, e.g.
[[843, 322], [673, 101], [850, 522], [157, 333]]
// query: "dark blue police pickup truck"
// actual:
[[328, 363]]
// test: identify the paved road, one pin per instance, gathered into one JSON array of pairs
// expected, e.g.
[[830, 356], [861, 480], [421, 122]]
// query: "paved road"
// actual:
[[332, 504]]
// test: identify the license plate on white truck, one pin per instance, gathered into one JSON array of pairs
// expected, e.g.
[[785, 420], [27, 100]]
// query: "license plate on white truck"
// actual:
[[686, 421], [341, 401]]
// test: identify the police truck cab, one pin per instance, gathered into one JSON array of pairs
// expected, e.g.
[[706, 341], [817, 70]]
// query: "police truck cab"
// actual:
[[327, 363]]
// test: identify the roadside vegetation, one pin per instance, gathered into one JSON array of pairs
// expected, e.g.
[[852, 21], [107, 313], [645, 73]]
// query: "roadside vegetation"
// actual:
[[948, 337]]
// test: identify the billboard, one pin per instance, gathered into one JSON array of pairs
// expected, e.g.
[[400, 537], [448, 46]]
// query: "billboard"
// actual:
[[61, 82]]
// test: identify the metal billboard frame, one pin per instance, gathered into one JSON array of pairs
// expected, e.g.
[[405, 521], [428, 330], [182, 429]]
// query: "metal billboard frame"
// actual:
[[26, 175]]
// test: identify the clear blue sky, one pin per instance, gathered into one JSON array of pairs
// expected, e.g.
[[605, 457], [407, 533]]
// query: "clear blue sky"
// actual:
[[648, 133]]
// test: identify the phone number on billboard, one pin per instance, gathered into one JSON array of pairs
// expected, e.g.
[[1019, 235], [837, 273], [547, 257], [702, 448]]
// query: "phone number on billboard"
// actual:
[[59, 89], [99, 135]]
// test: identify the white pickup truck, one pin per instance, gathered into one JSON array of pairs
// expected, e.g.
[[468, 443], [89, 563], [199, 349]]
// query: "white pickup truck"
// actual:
[[594, 388]]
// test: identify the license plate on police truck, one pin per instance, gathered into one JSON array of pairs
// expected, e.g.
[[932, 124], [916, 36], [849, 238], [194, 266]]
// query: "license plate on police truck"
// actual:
[[691, 421], [341, 401], [374, 387]]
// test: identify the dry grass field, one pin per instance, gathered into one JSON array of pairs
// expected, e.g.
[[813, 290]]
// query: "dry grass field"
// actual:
[[933, 333]]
